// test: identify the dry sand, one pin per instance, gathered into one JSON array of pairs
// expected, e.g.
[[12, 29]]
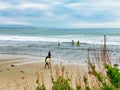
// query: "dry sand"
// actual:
[[18, 72]]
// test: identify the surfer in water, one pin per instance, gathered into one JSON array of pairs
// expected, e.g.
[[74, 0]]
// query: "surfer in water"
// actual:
[[72, 42], [78, 43]]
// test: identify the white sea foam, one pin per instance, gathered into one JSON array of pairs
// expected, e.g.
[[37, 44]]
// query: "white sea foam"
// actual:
[[111, 40]]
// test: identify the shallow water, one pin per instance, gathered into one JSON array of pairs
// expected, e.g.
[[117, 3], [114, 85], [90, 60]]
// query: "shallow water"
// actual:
[[37, 42]]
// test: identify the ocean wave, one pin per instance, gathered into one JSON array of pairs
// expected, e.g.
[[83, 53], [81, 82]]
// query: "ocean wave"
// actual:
[[111, 40]]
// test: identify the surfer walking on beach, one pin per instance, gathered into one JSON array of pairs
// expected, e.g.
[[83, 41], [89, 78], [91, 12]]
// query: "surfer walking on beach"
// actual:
[[48, 60]]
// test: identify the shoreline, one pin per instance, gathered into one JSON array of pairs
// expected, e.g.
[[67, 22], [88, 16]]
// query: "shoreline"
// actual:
[[27, 59]]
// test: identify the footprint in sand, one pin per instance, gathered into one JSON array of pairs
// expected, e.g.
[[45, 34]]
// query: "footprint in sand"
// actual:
[[22, 72], [22, 77], [8, 69], [12, 65]]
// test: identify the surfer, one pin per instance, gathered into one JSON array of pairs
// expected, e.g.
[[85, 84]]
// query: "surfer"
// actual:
[[48, 60], [78, 43], [58, 43], [72, 42]]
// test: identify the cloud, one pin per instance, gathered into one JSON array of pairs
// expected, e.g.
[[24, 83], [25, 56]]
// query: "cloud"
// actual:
[[103, 4], [25, 5], [81, 13], [12, 21], [91, 7], [56, 3], [4, 6], [95, 25], [33, 6]]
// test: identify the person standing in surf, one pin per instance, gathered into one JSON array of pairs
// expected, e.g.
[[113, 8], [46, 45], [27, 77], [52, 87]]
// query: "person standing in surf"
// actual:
[[78, 43], [72, 42]]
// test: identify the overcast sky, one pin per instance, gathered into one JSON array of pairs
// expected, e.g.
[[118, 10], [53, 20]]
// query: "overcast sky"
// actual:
[[61, 13]]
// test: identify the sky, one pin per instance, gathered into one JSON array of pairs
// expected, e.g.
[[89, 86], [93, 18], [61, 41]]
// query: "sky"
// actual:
[[61, 13]]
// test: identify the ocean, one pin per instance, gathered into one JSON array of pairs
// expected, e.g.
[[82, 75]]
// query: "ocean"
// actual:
[[38, 41]]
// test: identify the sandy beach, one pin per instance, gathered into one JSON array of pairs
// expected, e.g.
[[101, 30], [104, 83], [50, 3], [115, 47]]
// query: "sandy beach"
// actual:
[[18, 72], [78, 41]]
